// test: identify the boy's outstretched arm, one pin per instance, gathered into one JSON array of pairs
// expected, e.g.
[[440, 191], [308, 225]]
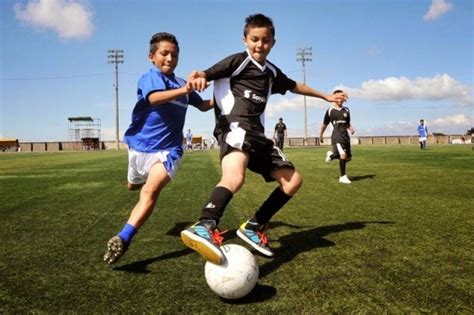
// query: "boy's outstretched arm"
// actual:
[[161, 97], [206, 105], [303, 89], [321, 132]]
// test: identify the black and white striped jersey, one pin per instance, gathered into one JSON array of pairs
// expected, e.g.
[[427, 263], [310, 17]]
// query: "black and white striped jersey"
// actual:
[[241, 90], [340, 119]]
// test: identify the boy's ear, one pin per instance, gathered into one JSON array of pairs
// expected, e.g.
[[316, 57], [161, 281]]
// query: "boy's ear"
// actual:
[[150, 58], [243, 40]]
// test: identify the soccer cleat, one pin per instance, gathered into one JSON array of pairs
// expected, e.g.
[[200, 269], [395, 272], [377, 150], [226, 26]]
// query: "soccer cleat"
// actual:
[[254, 234], [115, 249], [328, 156], [205, 238], [344, 179]]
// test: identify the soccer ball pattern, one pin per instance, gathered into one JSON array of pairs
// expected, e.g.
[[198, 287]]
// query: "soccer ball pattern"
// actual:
[[236, 277]]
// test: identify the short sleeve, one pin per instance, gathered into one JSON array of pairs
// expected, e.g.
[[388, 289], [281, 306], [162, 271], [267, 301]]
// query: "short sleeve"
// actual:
[[225, 67], [151, 82], [282, 83]]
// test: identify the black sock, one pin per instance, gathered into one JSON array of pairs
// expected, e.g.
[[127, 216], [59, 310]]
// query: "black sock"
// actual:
[[342, 166], [215, 206], [274, 202]]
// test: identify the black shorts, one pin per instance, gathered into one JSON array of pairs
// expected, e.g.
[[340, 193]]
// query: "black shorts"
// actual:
[[264, 157], [340, 148]]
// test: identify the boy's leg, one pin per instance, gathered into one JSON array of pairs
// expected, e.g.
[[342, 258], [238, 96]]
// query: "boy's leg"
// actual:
[[253, 230], [342, 166], [158, 177], [203, 236], [345, 156]]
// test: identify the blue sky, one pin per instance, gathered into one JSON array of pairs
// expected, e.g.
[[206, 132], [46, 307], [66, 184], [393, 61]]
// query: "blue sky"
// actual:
[[400, 60]]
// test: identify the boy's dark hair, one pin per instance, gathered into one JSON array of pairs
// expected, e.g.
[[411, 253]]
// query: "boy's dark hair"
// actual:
[[160, 37], [337, 91], [258, 20]]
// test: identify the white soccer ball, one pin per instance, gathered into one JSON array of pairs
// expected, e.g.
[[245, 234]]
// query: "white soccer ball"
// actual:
[[236, 277]]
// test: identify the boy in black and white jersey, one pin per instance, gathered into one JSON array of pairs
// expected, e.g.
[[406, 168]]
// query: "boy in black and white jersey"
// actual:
[[243, 83], [340, 119]]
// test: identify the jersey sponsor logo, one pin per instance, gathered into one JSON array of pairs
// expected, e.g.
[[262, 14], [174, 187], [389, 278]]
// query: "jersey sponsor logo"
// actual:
[[251, 95]]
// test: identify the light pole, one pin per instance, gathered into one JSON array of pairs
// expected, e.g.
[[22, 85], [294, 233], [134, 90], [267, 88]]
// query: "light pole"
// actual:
[[303, 55], [116, 56]]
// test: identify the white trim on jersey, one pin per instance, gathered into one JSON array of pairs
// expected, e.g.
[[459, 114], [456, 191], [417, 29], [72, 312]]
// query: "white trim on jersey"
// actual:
[[223, 94], [235, 138], [255, 62], [281, 154], [340, 149], [241, 66]]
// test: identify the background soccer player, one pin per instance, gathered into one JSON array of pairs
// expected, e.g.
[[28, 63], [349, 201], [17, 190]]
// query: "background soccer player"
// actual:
[[340, 118]]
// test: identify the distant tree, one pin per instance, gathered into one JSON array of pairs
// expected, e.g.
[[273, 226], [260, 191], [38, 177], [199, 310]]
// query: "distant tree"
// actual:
[[469, 132], [438, 134]]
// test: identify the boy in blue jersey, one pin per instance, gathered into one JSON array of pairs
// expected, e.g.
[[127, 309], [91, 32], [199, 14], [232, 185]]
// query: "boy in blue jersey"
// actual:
[[422, 134], [242, 84], [155, 135]]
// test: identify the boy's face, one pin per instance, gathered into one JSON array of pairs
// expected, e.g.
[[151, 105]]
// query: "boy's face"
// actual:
[[259, 42], [339, 102], [165, 57]]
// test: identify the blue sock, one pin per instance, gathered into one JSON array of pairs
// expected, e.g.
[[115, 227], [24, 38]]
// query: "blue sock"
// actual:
[[127, 233]]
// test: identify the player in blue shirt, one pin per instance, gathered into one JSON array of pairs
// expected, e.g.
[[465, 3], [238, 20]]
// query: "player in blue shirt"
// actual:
[[423, 134], [155, 135], [243, 82]]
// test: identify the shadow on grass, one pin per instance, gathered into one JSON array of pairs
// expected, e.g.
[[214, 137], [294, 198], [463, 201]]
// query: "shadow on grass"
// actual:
[[259, 294], [299, 242], [357, 178], [141, 266]]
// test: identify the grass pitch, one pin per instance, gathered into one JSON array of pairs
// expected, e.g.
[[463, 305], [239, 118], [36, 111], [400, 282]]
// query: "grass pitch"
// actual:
[[398, 239]]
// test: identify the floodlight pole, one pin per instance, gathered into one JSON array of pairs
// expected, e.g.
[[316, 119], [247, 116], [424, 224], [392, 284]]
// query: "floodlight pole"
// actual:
[[116, 56], [303, 55]]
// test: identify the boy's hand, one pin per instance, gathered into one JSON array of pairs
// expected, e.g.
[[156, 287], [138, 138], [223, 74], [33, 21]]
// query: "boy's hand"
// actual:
[[338, 98], [199, 84], [198, 80]]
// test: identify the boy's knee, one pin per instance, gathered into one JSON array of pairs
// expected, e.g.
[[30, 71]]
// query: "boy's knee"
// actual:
[[233, 183], [293, 185]]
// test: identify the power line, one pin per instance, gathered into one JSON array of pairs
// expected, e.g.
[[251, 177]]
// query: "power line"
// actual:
[[74, 76]]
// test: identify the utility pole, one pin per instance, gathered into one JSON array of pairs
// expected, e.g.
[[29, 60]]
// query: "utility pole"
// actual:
[[116, 56], [303, 55]]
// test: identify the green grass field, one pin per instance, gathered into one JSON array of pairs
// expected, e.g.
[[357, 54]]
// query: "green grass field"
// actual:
[[399, 239]]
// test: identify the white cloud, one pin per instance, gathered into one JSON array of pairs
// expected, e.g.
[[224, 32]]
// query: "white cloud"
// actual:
[[441, 87], [455, 120], [437, 9], [451, 125], [292, 104], [70, 19]]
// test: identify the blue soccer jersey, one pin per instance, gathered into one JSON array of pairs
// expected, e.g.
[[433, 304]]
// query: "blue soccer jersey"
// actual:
[[158, 127], [422, 131]]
